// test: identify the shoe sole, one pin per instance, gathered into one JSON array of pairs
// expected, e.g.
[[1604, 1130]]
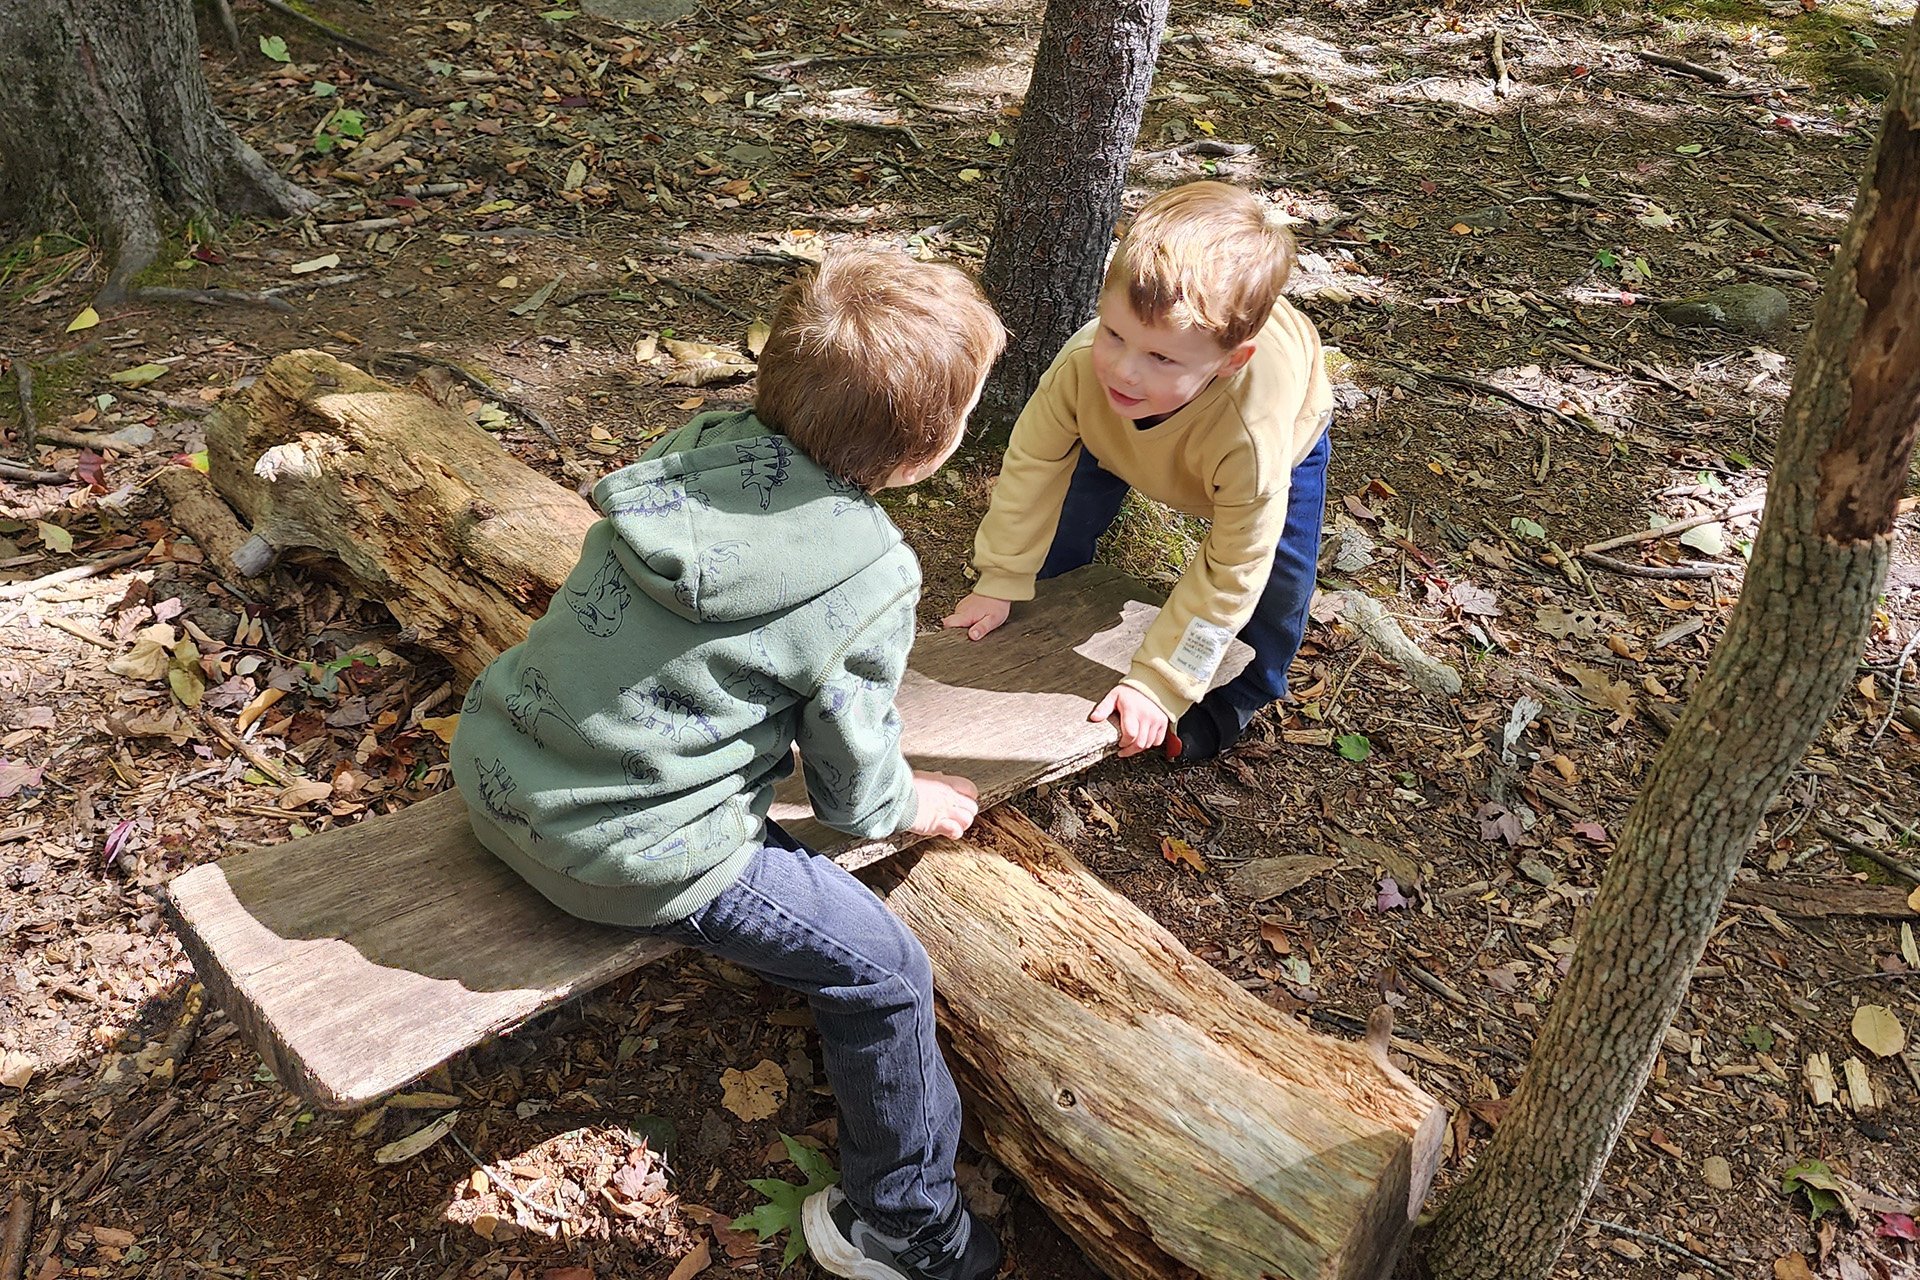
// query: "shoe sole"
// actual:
[[835, 1252]]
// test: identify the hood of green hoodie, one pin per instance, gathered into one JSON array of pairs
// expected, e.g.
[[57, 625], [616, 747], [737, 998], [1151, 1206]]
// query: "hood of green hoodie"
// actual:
[[686, 515]]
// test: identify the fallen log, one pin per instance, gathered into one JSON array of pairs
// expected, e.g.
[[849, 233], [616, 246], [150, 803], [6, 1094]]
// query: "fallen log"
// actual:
[[426, 511], [1173, 1124]]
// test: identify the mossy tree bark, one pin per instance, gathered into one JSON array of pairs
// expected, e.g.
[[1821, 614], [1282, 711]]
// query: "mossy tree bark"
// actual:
[[1790, 649], [104, 112], [1061, 199]]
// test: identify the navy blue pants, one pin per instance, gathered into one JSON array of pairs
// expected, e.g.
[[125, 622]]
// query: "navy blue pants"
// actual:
[[1280, 619], [801, 921]]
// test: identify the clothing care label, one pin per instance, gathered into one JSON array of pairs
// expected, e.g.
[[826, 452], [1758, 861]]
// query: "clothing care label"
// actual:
[[1201, 648]]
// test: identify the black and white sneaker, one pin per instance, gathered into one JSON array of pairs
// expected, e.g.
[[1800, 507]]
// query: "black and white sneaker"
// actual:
[[961, 1248]]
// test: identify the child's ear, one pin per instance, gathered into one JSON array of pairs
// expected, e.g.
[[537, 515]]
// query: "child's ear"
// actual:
[[1238, 357]]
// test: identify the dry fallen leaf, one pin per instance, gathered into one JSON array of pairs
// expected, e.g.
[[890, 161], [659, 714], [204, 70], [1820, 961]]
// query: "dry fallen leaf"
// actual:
[[417, 1141], [1176, 850], [1876, 1027], [441, 727], [694, 1263], [754, 1094], [301, 794], [1792, 1267], [16, 1068]]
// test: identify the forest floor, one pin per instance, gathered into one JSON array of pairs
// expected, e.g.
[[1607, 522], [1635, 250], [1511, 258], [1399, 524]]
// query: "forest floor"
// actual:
[[542, 197]]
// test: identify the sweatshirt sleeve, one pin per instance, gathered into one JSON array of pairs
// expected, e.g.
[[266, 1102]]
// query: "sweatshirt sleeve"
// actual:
[[1216, 596], [1025, 511], [849, 735]]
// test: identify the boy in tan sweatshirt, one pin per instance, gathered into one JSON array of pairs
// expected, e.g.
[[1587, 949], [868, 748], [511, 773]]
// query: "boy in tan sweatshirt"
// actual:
[[1200, 386]]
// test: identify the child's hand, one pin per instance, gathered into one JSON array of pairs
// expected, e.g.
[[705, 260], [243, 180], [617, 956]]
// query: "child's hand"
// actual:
[[978, 614], [1143, 725], [948, 804]]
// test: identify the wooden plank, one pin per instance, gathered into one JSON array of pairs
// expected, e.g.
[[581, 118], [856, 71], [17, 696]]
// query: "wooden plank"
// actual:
[[1836, 898], [359, 958]]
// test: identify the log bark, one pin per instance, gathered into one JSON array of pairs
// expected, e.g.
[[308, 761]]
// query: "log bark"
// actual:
[[464, 543], [1790, 650], [1174, 1126], [104, 110], [1172, 1123], [1061, 198]]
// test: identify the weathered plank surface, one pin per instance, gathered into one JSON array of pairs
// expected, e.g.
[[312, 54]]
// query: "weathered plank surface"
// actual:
[[361, 957], [1174, 1125]]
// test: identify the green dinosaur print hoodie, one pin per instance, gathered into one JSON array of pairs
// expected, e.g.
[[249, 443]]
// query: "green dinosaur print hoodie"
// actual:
[[734, 600]]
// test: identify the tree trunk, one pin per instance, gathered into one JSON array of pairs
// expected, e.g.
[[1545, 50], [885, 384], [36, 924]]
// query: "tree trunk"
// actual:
[[1062, 193], [1789, 652], [104, 110]]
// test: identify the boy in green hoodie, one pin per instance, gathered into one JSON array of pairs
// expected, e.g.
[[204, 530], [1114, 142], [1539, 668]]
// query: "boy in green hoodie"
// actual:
[[744, 594]]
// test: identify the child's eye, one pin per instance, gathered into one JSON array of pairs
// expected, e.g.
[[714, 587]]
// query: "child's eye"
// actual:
[[1160, 359]]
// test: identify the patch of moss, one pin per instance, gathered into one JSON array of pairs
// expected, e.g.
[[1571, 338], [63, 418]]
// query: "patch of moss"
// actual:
[[1841, 45], [1150, 541]]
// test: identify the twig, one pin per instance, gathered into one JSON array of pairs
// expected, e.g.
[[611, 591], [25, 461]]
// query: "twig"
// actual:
[[1780, 238], [434, 188], [352, 42], [901, 129], [15, 590], [1745, 507], [82, 1186], [1887, 860], [379, 224], [254, 755], [19, 1229], [1651, 570], [77, 631], [1665, 1243], [1681, 65], [783, 261], [317, 282], [1899, 675], [1497, 55], [1575, 354], [30, 475], [828, 60], [1526, 136], [1488, 388], [481, 385], [213, 297], [503, 1184], [701, 295]]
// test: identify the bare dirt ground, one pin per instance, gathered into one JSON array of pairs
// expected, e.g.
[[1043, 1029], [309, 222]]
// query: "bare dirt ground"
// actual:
[[539, 198]]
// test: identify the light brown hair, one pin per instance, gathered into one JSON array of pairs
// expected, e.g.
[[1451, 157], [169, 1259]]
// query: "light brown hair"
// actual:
[[1206, 255], [872, 360]]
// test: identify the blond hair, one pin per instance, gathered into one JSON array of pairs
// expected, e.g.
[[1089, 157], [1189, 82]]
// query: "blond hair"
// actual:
[[1206, 255], [873, 359]]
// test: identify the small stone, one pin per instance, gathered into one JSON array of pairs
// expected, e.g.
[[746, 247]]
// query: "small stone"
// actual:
[[1736, 308], [1717, 1173], [1486, 218], [641, 10]]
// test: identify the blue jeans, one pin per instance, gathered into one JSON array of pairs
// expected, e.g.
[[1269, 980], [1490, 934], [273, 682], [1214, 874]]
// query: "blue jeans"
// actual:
[[1280, 619], [803, 922]]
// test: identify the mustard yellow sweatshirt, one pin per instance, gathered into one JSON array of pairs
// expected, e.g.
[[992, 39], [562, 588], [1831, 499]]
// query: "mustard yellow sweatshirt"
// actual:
[[1226, 455]]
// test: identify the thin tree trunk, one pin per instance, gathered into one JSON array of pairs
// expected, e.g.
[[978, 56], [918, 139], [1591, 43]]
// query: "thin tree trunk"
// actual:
[[1790, 649], [1089, 87], [104, 112]]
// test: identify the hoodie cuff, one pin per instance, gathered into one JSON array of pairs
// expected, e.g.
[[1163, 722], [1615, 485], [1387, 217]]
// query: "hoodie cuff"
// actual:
[[1001, 585]]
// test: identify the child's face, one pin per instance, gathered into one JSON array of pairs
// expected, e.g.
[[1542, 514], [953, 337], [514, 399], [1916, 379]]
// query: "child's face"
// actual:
[[1150, 370]]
